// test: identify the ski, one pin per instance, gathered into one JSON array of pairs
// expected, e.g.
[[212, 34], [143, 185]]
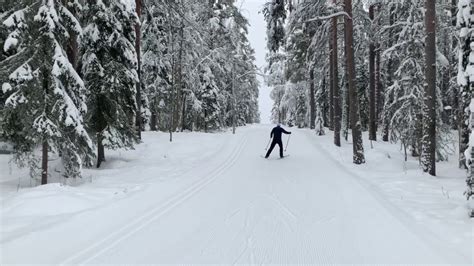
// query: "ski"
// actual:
[[279, 158]]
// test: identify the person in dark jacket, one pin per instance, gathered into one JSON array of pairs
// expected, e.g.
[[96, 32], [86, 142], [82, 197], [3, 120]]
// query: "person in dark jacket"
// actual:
[[276, 135]]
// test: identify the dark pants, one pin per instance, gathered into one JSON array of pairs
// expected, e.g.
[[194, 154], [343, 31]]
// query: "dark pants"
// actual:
[[275, 142]]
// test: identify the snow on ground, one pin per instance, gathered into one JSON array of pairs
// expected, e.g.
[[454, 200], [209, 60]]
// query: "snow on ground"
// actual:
[[211, 198], [436, 203]]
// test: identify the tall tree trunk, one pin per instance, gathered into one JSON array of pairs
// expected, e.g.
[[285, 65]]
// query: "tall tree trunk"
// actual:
[[358, 148], [386, 120], [100, 150], [335, 85], [372, 86], [378, 86], [179, 79], [233, 96], [331, 84], [463, 97], [138, 119], [183, 114], [429, 123], [171, 109], [153, 124], [312, 100], [44, 163]]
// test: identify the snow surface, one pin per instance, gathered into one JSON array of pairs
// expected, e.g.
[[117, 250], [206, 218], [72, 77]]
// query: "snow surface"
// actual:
[[10, 42], [211, 198]]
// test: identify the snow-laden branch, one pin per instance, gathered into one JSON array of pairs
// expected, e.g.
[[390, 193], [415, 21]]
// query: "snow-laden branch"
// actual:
[[342, 13]]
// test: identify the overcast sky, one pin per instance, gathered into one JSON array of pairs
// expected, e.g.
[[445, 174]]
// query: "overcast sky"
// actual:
[[257, 36]]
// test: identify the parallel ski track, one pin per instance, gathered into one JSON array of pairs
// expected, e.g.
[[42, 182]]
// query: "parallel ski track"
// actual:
[[112, 240]]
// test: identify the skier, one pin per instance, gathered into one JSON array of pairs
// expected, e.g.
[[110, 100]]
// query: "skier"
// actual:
[[276, 135]]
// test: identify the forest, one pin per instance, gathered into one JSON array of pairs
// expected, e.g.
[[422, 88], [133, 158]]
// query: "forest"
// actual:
[[83, 76], [399, 70], [80, 77]]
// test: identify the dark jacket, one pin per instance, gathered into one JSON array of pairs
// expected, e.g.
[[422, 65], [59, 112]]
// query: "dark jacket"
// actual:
[[276, 133]]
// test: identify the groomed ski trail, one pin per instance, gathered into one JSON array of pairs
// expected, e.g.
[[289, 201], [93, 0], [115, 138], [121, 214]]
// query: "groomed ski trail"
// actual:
[[114, 239], [301, 210], [241, 209]]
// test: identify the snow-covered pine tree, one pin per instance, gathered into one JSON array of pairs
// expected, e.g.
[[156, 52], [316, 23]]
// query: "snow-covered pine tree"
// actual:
[[297, 42], [157, 62], [187, 71], [404, 92], [275, 15], [403, 98], [110, 73], [45, 101], [276, 79], [246, 83], [466, 82]]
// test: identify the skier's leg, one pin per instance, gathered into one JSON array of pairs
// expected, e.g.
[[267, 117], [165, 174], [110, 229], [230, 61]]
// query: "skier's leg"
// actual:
[[271, 149], [280, 143]]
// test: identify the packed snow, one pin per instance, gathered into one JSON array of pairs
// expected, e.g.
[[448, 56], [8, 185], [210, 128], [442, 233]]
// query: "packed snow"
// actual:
[[211, 198]]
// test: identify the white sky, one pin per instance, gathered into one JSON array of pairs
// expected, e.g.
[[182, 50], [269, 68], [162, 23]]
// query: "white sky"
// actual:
[[257, 37]]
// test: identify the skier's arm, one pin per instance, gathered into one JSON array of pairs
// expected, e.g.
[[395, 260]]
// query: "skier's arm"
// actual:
[[286, 132], [271, 134]]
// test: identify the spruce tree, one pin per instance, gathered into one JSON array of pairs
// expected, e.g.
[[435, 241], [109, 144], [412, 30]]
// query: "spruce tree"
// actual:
[[110, 73], [45, 101]]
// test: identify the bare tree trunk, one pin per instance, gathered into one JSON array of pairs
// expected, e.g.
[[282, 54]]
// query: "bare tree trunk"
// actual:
[[183, 114], [138, 33], [179, 79], [100, 150], [325, 105], [312, 100], [358, 148], [386, 122], [372, 86], [44, 164], [335, 85], [429, 123], [378, 81], [378, 87], [171, 109], [331, 83], [233, 96], [153, 125]]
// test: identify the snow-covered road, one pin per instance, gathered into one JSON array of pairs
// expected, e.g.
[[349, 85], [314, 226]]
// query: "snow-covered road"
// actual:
[[236, 207]]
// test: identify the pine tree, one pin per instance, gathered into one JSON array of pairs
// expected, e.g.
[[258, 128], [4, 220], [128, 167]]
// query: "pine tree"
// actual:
[[110, 73], [157, 63], [46, 103], [372, 78], [429, 108], [466, 81], [356, 126]]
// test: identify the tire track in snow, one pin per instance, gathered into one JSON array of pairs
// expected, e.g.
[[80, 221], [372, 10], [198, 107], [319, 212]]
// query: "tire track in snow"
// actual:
[[113, 239]]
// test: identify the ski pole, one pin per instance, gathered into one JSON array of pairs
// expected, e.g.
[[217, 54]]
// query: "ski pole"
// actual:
[[287, 142], [266, 148]]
